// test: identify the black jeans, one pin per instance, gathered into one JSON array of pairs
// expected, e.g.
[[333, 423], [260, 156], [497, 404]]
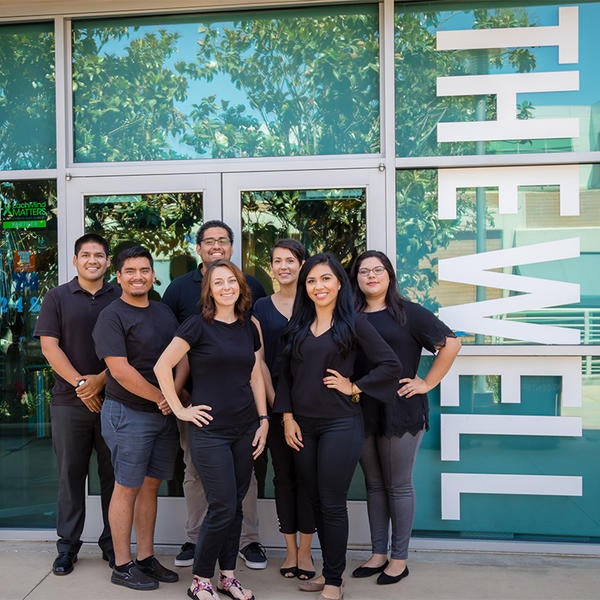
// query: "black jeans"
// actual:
[[294, 510], [223, 460], [326, 465], [75, 433]]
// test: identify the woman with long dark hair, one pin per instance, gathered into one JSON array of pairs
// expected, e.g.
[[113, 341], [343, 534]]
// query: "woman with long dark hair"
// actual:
[[394, 425], [228, 397], [271, 314], [318, 395]]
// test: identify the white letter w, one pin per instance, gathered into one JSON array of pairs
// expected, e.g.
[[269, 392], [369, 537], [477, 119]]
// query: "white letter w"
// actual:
[[536, 293]]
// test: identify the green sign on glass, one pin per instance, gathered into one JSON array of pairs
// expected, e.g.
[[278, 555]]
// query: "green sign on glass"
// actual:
[[24, 214]]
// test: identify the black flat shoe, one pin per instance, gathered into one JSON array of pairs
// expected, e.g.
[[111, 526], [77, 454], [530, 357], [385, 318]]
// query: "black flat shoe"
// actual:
[[289, 572], [361, 572], [385, 579], [63, 564]]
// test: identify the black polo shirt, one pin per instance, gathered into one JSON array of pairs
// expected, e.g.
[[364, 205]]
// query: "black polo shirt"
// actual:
[[183, 294], [68, 313]]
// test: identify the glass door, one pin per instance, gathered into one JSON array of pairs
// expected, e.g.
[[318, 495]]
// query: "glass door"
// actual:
[[162, 213], [28, 250], [343, 212]]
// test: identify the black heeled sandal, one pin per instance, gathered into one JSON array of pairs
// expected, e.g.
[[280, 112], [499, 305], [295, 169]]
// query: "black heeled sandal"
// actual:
[[304, 575], [289, 572]]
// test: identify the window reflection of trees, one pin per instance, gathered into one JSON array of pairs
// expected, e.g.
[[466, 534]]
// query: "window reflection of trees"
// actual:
[[23, 381], [163, 223], [335, 222]]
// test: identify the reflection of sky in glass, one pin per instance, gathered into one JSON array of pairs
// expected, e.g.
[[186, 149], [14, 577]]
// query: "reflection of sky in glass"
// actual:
[[547, 57], [257, 112], [582, 104], [185, 49]]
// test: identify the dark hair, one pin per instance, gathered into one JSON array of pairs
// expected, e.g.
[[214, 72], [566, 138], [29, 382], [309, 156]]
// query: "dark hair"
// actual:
[[393, 298], [303, 313], [242, 305], [214, 223], [294, 246], [94, 238], [132, 252]]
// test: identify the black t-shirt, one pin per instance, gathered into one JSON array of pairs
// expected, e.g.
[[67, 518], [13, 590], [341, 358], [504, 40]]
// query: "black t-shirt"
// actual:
[[140, 335], [222, 357], [272, 325], [422, 329], [183, 294], [301, 389], [68, 313]]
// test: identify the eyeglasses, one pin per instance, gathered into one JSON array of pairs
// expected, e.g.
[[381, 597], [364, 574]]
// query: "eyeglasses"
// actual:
[[364, 272], [222, 241]]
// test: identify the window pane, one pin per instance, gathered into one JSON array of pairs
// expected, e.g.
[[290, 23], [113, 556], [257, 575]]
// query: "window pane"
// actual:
[[514, 516], [534, 244], [332, 220], [27, 97], [438, 113], [163, 223], [28, 258], [268, 83]]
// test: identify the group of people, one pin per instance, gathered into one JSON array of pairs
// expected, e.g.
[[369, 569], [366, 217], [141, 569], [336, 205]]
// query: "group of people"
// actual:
[[323, 372]]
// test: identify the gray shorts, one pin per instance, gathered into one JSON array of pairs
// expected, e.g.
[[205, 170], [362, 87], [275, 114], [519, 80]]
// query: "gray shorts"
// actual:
[[142, 444]]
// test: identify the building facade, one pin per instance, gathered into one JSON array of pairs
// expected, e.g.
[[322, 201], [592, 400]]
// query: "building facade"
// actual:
[[462, 138]]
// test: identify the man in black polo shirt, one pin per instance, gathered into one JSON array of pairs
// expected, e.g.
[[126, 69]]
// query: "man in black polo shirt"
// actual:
[[137, 423], [67, 316], [214, 241]]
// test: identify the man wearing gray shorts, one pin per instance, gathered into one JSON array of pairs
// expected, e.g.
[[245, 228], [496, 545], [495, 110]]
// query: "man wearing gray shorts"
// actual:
[[137, 424]]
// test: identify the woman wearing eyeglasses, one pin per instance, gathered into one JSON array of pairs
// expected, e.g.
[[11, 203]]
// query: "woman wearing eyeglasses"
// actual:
[[394, 426], [317, 395]]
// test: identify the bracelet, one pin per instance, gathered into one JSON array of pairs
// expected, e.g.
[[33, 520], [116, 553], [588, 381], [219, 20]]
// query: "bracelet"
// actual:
[[354, 396], [263, 417]]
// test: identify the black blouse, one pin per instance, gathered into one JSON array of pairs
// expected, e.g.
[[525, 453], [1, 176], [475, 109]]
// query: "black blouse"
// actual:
[[301, 389], [422, 329]]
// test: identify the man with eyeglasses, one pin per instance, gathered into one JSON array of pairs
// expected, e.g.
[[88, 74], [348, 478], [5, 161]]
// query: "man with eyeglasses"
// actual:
[[214, 241]]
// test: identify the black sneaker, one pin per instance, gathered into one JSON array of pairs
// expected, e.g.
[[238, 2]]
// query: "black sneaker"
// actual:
[[151, 567], [254, 555], [186, 557], [133, 578]]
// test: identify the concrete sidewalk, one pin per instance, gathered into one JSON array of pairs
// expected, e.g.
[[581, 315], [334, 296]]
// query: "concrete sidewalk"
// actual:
[[25, 569]]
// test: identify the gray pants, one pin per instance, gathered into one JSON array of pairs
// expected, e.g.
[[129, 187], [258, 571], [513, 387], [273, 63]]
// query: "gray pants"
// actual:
[[387, 464], [197, 505]]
